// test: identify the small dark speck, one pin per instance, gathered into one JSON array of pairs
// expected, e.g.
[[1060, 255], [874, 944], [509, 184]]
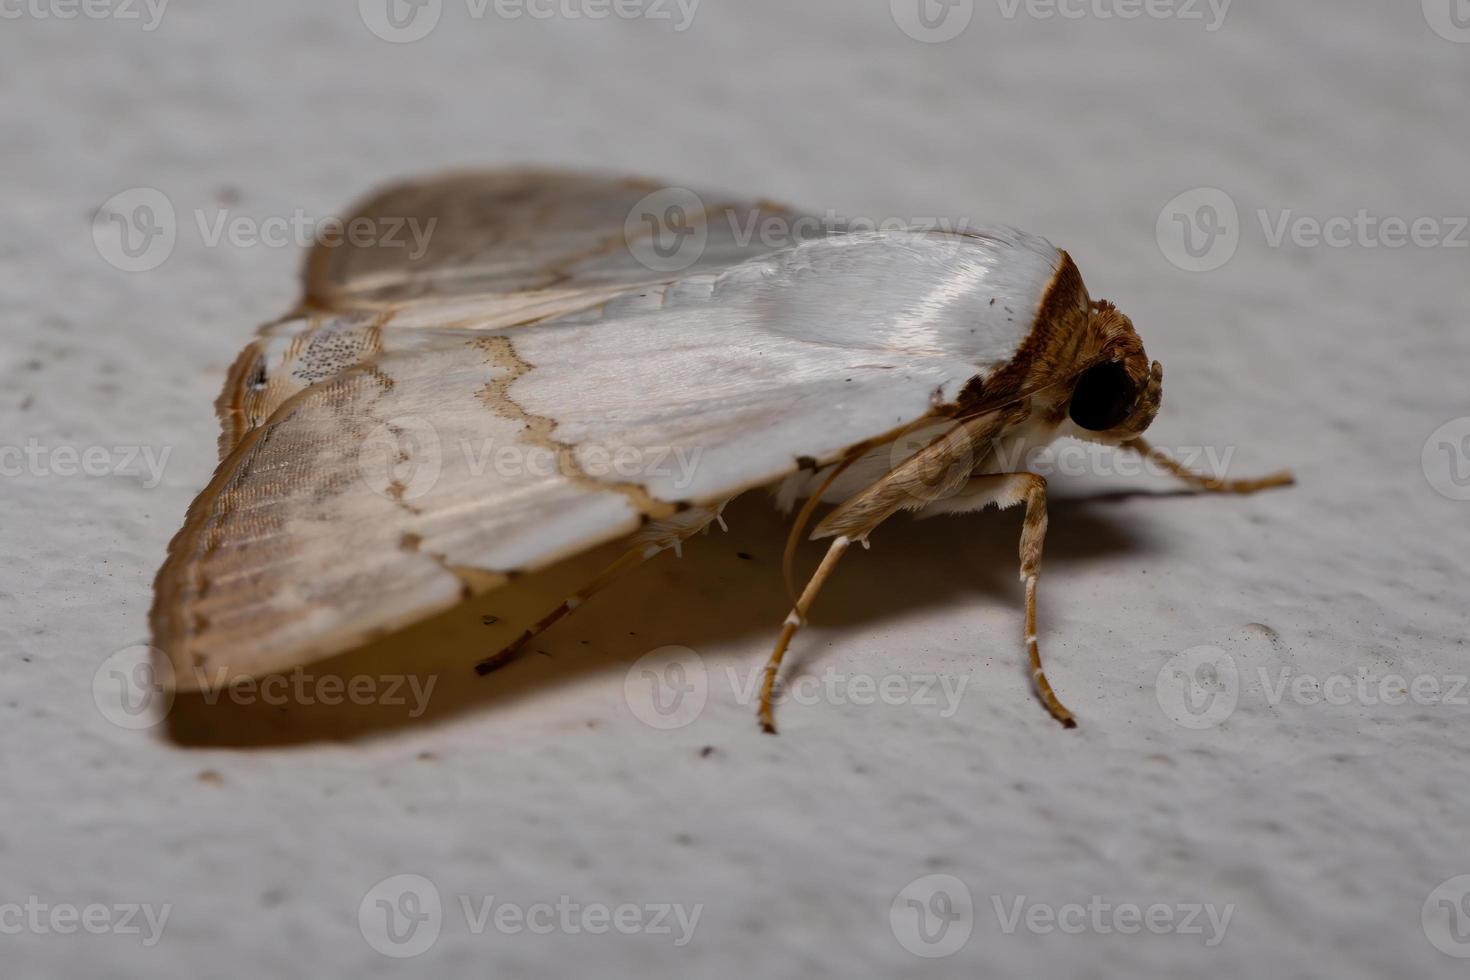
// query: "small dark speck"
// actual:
[[631, 633], [25, 660], [586, 643], [489, 620], [211, 777], [544, 654], [428, 757], [992, 301], [707, 751], [744, 556]]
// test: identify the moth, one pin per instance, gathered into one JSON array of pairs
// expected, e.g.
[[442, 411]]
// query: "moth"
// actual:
[[549, 320]]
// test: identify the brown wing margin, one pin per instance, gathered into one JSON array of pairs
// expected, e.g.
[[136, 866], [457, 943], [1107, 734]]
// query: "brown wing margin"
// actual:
[[513, 231]]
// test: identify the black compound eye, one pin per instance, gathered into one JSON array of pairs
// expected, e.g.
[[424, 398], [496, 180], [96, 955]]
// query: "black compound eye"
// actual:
[[1103, 398]]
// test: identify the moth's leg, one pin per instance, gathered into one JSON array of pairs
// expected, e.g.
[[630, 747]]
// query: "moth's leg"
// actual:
[[657, 537], [927, 475], [1006, 490], [1209, 483], [793, 623]]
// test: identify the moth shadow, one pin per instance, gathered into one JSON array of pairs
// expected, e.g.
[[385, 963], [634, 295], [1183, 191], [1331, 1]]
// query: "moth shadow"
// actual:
[[726, 592]]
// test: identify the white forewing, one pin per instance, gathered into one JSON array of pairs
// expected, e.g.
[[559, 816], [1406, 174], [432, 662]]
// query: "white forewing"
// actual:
[[797, 355], [971, 296]]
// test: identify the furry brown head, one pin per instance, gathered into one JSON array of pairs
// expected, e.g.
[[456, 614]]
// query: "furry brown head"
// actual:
[[1117, 397]]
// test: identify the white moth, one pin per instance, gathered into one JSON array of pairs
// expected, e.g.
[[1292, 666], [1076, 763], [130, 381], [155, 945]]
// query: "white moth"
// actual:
[[877, 371]]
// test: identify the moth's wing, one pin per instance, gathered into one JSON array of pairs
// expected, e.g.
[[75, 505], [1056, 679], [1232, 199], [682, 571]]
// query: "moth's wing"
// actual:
[[517, 231], [489, 250], [453, 456]]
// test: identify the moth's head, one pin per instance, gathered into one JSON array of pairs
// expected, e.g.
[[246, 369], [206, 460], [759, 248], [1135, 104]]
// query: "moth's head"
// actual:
[[1117, 397]]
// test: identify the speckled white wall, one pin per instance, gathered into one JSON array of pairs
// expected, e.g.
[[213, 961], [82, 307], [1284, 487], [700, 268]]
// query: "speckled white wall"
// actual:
[[1287, 818]]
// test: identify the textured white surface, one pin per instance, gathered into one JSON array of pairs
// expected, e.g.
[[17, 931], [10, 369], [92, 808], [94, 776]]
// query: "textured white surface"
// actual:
[[1326, 827]]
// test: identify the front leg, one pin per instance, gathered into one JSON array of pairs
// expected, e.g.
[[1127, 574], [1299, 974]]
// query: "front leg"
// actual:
[[1007, 490]]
